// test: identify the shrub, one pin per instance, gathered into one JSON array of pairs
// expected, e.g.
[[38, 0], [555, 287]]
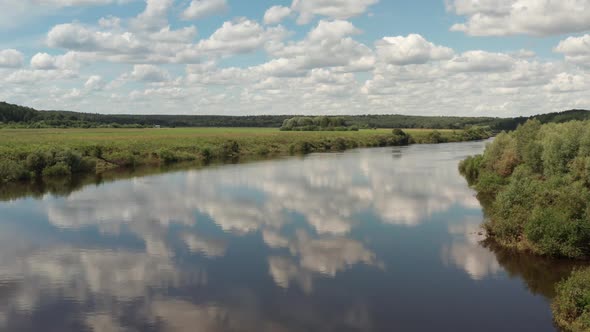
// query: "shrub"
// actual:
[[470, 168], [262, 151], [59, 169], [528, 148], [340, 144], [230, 149], [167, 156], [97, 151], [36, 162], [552, 232], [580, 170], [87, 165], [475, 133], [124, 158], [400, 137], [435, 137], [302, 147], [206, 154], [72, 159], [11, 170], [512, 207], [501, 155], [571, 306]]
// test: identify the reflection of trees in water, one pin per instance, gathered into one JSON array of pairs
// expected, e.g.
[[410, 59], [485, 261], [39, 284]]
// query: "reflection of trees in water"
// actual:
[[63, 187], [540, 274]]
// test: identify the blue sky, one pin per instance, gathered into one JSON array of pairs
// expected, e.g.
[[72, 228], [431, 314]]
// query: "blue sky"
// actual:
[[450, 57]]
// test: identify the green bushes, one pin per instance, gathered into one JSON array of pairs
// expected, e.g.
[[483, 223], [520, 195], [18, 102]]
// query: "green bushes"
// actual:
[[571, 306], [230, 150], [303, 147], [57, 162], [167, 156], [399, 137], [539, 180], [206, 154], [435, 137], [59, 169], [11, 171], [470, 167], [320, 123], [36, 162], [340, 144], [476, 133]]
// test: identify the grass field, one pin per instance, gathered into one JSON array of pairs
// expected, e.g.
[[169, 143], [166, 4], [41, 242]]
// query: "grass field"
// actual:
[[68, 151]]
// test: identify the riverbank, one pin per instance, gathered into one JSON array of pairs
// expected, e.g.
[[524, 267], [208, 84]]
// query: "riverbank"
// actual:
[[534, 185], [60, 153]]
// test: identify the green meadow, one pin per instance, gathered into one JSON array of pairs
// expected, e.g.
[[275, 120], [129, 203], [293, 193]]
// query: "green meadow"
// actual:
[[45, 153]]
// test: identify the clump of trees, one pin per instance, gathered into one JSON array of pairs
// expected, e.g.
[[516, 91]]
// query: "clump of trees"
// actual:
[[45, 164], [537, 179], [571, 306], [400, 137], [320, 123]]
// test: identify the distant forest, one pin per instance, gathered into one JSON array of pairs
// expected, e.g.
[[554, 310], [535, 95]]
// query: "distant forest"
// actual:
[[16, 116]]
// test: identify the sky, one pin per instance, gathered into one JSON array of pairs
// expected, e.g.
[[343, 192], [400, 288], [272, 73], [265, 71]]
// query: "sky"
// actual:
[[240, 57]]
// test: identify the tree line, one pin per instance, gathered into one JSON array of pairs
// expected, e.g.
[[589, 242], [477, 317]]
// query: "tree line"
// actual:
[[16, 116], [325, 123]]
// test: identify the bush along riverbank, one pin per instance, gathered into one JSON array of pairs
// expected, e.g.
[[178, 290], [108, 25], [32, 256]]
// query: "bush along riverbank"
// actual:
[[571, 306], [534, 184], [27, 155], [537, 182]]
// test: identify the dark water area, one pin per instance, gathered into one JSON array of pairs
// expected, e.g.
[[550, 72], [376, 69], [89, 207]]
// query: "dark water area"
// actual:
[[381, 239]]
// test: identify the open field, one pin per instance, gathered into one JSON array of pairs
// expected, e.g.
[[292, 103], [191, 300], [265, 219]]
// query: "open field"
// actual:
[[145, 142], [27, 153]]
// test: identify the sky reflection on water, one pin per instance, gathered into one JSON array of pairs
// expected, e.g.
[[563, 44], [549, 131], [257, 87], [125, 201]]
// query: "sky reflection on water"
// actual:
[[376, 239]]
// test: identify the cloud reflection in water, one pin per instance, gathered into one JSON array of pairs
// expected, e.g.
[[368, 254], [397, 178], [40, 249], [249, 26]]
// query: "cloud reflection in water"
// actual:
[[305, 211]]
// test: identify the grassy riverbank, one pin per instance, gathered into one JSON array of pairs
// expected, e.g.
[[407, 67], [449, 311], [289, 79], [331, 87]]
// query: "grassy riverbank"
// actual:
[[54, 153]]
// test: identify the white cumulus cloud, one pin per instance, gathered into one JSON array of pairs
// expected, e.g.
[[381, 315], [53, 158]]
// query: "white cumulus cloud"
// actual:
[[43, 61], [11, 58], [336, 9], [530, 17], [149, 73], [413, 49], [576, 49], [202, 8], [276, 14]]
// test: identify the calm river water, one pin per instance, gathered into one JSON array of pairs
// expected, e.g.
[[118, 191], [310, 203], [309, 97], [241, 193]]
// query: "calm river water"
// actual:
[[367, 240]]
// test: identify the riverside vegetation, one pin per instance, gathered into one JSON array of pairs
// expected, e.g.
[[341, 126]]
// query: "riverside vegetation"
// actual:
[[534, 184], [571, 306], [28, 154]]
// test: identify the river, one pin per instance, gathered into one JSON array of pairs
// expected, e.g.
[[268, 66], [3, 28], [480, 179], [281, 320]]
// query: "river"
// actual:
[[383, 239]]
